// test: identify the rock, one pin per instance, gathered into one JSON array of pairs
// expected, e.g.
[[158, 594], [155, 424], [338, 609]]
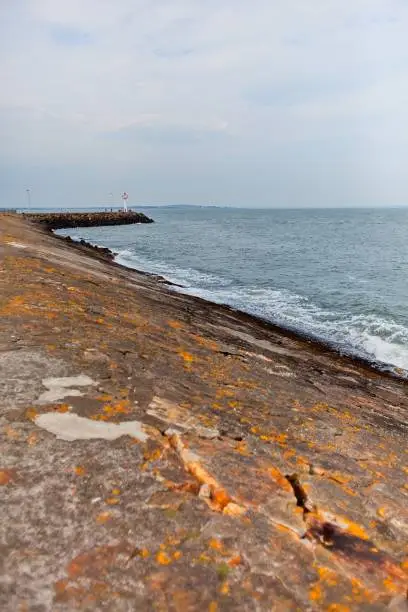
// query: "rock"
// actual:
[[66, 220], [205, 491]]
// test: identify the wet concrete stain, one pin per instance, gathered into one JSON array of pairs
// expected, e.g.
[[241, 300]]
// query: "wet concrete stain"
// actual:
[[69, 426], [59, 388]]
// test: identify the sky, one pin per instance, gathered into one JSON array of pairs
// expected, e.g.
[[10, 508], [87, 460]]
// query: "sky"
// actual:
[[256, 103]]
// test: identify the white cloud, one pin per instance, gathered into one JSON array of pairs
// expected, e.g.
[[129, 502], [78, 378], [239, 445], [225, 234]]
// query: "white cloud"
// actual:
[[206, 96]]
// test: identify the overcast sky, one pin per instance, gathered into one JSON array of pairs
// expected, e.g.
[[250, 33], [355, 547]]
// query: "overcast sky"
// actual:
[[233, 102]]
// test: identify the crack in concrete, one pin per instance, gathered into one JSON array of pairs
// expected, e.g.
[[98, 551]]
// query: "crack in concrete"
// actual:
[[219, 499]]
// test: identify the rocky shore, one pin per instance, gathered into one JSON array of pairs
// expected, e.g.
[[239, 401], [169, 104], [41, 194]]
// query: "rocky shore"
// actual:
[[54, 221], [87, 246], [160, 452]]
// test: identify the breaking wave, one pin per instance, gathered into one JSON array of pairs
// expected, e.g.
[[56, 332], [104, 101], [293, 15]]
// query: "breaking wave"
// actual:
[[368, 336]]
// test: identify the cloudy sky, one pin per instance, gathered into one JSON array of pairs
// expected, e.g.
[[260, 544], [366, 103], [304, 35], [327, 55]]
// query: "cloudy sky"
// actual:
[[234, 102]]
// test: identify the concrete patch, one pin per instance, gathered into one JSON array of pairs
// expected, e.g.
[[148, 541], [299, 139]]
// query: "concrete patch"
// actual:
[[68, 381], [263, 344], [70, 427], [17, 245], [58, 388], [281, 370], [180, 418]]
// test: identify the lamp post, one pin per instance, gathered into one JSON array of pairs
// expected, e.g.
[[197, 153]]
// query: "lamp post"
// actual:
[[28, 192]]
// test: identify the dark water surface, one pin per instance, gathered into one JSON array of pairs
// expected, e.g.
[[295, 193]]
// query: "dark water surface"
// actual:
[[336, 275]]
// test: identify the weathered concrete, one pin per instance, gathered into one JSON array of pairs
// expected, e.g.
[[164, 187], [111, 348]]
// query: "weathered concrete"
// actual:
[[94, 219], [253, 470]]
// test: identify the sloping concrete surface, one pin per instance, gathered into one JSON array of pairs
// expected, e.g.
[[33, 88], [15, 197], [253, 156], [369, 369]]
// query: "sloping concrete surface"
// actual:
[[254, 470]]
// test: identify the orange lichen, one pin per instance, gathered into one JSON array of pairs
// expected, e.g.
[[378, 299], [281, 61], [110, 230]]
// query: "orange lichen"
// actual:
[[163, 558], [187, 357], [354, 529], [315, 593], [327, 575], [349, 491], [242, 448], [235, 561], [340, 478], [215, 544], [103, 517], [360, 593], [224, 588], [302, 461], [205, 342], [105, 397], [279, 478], [390, 585], [174, 324], [235, 510], [172, 540], [220, 497], [14, 305], [153, 455], [79, 470], [224, 392], [5, 477], [62, 408], [32, 439], [121, 407], [11, 433]]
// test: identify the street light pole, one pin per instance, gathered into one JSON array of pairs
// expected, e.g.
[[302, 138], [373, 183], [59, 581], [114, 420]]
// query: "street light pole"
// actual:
[[28, 192]]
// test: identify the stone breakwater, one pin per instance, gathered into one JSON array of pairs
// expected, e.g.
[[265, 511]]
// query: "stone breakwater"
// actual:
[[159, 452], [54, 221]]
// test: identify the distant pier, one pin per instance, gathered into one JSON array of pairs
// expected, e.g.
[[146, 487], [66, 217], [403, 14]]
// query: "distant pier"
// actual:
[[64, 220]]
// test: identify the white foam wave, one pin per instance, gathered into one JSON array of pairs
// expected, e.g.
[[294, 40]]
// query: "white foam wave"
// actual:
[[366, 335], [180, 276]]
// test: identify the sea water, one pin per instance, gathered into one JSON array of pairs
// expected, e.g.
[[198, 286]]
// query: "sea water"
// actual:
[[339, 276]]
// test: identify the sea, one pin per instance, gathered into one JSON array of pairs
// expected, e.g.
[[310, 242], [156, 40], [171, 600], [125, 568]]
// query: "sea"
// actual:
[[339, 276]]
